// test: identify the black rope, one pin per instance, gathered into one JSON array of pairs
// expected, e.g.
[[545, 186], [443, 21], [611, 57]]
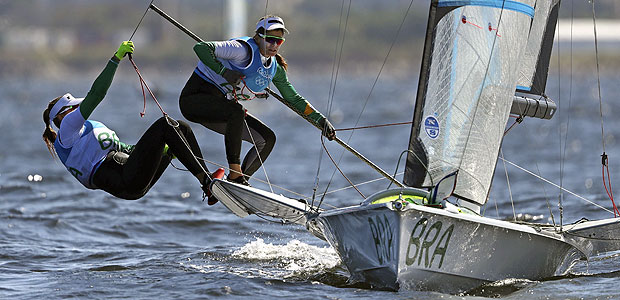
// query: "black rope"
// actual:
[[140, 22]]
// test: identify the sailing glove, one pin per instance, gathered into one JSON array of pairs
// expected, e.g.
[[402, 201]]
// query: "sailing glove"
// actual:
[[123, 49], [328, 130], [233, 77]]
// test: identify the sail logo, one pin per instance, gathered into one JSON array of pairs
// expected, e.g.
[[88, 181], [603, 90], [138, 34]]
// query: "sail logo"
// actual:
[[431, 127]]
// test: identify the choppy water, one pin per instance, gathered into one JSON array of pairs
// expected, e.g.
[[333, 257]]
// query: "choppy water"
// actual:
[[59, 240]]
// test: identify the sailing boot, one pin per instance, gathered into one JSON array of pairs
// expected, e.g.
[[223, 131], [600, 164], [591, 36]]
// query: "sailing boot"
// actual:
[[240, 180], [206, 187]]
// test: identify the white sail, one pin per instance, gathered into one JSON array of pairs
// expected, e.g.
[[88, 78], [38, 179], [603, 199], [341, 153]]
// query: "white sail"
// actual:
[[467, 85]]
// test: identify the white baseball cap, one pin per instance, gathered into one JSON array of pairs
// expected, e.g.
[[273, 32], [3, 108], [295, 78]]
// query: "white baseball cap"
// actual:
[[66, 100], [271, 23]]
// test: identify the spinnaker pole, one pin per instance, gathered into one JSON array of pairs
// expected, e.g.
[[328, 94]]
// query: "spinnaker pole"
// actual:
[[275, 95]]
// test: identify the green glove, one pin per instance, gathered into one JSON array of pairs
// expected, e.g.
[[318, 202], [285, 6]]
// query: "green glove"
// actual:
[[125, 47]]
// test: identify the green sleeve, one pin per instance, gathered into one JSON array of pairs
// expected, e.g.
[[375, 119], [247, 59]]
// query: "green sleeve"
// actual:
[[99, 89], [206, 53], [301, 105]]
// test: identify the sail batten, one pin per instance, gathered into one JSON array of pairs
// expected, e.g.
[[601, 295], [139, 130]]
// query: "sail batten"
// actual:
[[467, 82]]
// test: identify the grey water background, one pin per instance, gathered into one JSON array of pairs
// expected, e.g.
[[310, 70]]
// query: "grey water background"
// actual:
[[59, 240]]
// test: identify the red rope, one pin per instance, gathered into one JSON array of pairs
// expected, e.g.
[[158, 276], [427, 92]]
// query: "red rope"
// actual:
[[607, 182], [245, 86], [143, 85]]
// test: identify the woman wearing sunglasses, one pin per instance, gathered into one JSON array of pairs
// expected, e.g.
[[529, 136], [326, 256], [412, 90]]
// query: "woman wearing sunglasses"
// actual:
[[95, 156], [241, 69]]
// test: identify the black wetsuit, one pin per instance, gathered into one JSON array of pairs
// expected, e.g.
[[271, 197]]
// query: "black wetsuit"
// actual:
[[99, 160], [204, 103]]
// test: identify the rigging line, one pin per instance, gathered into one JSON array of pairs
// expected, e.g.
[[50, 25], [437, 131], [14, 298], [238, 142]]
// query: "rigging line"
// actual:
[[169, 120], [512, 203], [598, 76], [546, 198], [374, 126], [359, 184], [262, 165], [338, 61], [140, 22], [335, 80], [561, 195], [383, 64], [377, 78], [604, 160], [555, 185], [343, 175], [329, 101], [265, 26], [608, 190], [570, 99], [398, 164]]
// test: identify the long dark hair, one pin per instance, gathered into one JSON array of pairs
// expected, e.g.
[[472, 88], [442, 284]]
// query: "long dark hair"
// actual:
[[49, 135], [279, 58]]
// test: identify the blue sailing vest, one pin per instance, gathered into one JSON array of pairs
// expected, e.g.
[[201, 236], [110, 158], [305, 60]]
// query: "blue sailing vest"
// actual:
[[82, 159], [257, 76]]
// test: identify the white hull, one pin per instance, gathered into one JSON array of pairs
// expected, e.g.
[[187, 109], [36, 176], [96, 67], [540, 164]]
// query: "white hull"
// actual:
[[419, 247], [424, 248]]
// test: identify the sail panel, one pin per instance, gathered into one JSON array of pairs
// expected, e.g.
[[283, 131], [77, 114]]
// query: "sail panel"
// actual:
[[535, 62], [470, 70]]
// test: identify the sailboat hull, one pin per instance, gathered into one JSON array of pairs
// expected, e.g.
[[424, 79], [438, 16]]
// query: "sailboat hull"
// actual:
[[594, 237], [425, 248]]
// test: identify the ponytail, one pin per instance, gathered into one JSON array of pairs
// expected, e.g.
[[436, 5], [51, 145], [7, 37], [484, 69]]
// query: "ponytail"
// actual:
[[281, 61], [49, 135]]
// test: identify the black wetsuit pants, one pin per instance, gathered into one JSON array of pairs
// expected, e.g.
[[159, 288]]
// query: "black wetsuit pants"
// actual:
[[202, 102], [131, 177]]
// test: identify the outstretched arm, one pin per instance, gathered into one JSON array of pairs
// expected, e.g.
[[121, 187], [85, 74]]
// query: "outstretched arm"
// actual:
[[72, 123], [101, 85]]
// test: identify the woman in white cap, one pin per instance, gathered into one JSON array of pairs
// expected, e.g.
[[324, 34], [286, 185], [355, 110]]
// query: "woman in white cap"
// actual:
[[240, 69], [96, 157]]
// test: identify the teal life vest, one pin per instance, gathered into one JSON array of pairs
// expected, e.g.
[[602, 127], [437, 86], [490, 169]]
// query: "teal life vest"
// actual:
[[257, 75]]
